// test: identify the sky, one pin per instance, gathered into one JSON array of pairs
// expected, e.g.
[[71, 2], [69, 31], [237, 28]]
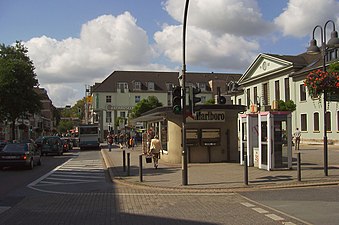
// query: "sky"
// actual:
[[74, 43]]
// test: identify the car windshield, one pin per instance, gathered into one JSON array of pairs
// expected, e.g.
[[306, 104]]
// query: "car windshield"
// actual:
[[15, 148]]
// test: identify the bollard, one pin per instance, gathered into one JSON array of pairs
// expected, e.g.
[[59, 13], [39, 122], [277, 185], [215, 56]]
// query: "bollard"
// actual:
[[245, 169], [128, 163], [124, 160], [140, 168], [299, 166]]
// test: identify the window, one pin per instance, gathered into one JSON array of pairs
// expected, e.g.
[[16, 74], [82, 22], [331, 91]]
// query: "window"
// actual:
[[277, 90], [287, 89], [302, 92], [248, 98], [137, 99], [137, 85], [123, 114], [255, 95], [328, 121], [108, 117], [316, 121], [169, 86], [202, 87], [122, 87], [150, 86], [303, 121], [203, 99], [108, 98], [239, 101], [265, 94]]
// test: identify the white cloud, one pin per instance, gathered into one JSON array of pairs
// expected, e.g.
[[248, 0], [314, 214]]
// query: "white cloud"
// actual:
[[227, 52], [222, 16], [218, 33], [301, 16], [105, 44]]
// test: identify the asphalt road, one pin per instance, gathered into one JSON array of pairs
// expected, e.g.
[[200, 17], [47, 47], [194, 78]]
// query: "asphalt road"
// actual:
[[316, 205]]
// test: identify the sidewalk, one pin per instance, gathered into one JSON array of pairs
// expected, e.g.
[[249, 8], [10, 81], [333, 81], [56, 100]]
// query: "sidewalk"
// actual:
[[224, 176]]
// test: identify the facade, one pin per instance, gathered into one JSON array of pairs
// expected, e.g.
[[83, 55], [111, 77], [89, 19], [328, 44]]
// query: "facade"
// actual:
[[280, 77], [114, 98]]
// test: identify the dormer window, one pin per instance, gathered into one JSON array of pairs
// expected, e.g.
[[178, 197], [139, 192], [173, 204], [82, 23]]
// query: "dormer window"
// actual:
[[150, 86], [137, 85], [122, 87]]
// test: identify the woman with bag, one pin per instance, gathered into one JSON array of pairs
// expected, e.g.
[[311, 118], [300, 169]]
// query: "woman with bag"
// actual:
[[155, 148]]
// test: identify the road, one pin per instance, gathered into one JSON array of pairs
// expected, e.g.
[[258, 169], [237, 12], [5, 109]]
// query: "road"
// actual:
[[75, 189]]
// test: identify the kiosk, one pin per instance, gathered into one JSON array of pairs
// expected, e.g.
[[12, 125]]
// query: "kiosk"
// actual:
[[266, 137]]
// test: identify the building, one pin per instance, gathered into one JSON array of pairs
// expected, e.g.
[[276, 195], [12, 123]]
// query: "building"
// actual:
[[273, 77], [113, 98]]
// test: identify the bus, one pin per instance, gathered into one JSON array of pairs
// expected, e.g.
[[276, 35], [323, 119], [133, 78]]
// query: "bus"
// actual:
[[89, 136]]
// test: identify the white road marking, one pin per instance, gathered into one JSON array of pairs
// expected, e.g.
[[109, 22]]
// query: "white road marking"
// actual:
[[247, 204], [260, 210], [274, 217]]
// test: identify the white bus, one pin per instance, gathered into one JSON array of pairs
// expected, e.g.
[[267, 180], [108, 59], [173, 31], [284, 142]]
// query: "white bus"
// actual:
[[89, 136]]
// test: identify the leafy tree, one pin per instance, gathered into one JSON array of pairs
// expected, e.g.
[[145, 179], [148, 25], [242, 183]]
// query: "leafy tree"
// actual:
[[65, 125], [286, 106], [17, 82], [145, 105]]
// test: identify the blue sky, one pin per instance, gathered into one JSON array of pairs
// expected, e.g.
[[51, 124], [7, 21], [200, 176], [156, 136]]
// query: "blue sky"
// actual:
[[78, 42]]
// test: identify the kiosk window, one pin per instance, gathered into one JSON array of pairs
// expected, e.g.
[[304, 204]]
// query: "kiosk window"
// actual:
[[192, 133], [210, 133]]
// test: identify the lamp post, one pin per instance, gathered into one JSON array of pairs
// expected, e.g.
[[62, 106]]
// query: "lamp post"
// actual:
[[314, 49], [182, 77]]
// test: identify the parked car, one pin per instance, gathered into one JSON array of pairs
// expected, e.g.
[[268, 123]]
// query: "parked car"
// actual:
[[20, 154], [50, 145], [67, 144]]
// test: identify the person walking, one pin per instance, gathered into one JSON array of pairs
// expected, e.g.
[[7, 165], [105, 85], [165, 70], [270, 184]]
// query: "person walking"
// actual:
[[297, 135], [154, 150], [109, 141]]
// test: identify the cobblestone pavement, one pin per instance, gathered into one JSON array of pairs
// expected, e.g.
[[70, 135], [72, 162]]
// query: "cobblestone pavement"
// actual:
[[226, 176], [133, 205]]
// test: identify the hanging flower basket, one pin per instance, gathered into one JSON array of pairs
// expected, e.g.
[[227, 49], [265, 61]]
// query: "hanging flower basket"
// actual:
[[319, 81]]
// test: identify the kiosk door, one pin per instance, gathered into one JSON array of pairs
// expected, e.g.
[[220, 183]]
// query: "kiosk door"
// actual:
[[264, 145]]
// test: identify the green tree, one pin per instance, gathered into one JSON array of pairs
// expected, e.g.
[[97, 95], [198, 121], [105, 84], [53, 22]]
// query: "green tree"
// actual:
[[17, 82], [145, 105], [65, 125]]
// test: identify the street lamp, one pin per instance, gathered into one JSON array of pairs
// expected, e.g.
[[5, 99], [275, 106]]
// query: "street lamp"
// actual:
[[314, 49]]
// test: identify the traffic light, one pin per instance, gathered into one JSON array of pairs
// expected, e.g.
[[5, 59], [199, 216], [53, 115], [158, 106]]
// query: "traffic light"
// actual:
[[176, 99], [193, 98]]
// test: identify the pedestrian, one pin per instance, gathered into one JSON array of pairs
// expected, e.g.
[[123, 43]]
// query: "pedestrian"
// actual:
[[297, 135], [154, 150], [109, 141]]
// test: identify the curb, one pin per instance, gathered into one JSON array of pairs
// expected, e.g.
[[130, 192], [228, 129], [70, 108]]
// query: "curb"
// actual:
[[120, 180]]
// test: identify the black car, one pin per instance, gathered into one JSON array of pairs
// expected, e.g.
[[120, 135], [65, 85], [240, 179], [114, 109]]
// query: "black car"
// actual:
[[20, 154], [50, 145], [67, 143]]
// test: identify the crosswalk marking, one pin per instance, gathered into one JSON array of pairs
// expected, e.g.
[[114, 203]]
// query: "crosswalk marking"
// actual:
[[74, 171]]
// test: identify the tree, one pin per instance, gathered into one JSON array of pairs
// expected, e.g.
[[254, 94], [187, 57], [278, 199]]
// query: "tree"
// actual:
[[65, 125], [17, 82], [145, 105]]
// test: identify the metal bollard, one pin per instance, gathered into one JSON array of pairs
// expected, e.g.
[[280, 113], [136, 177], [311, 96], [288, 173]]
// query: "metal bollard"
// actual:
[[124, 160], [299, 166], [245, 169], [140, 168], [128, 163]]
